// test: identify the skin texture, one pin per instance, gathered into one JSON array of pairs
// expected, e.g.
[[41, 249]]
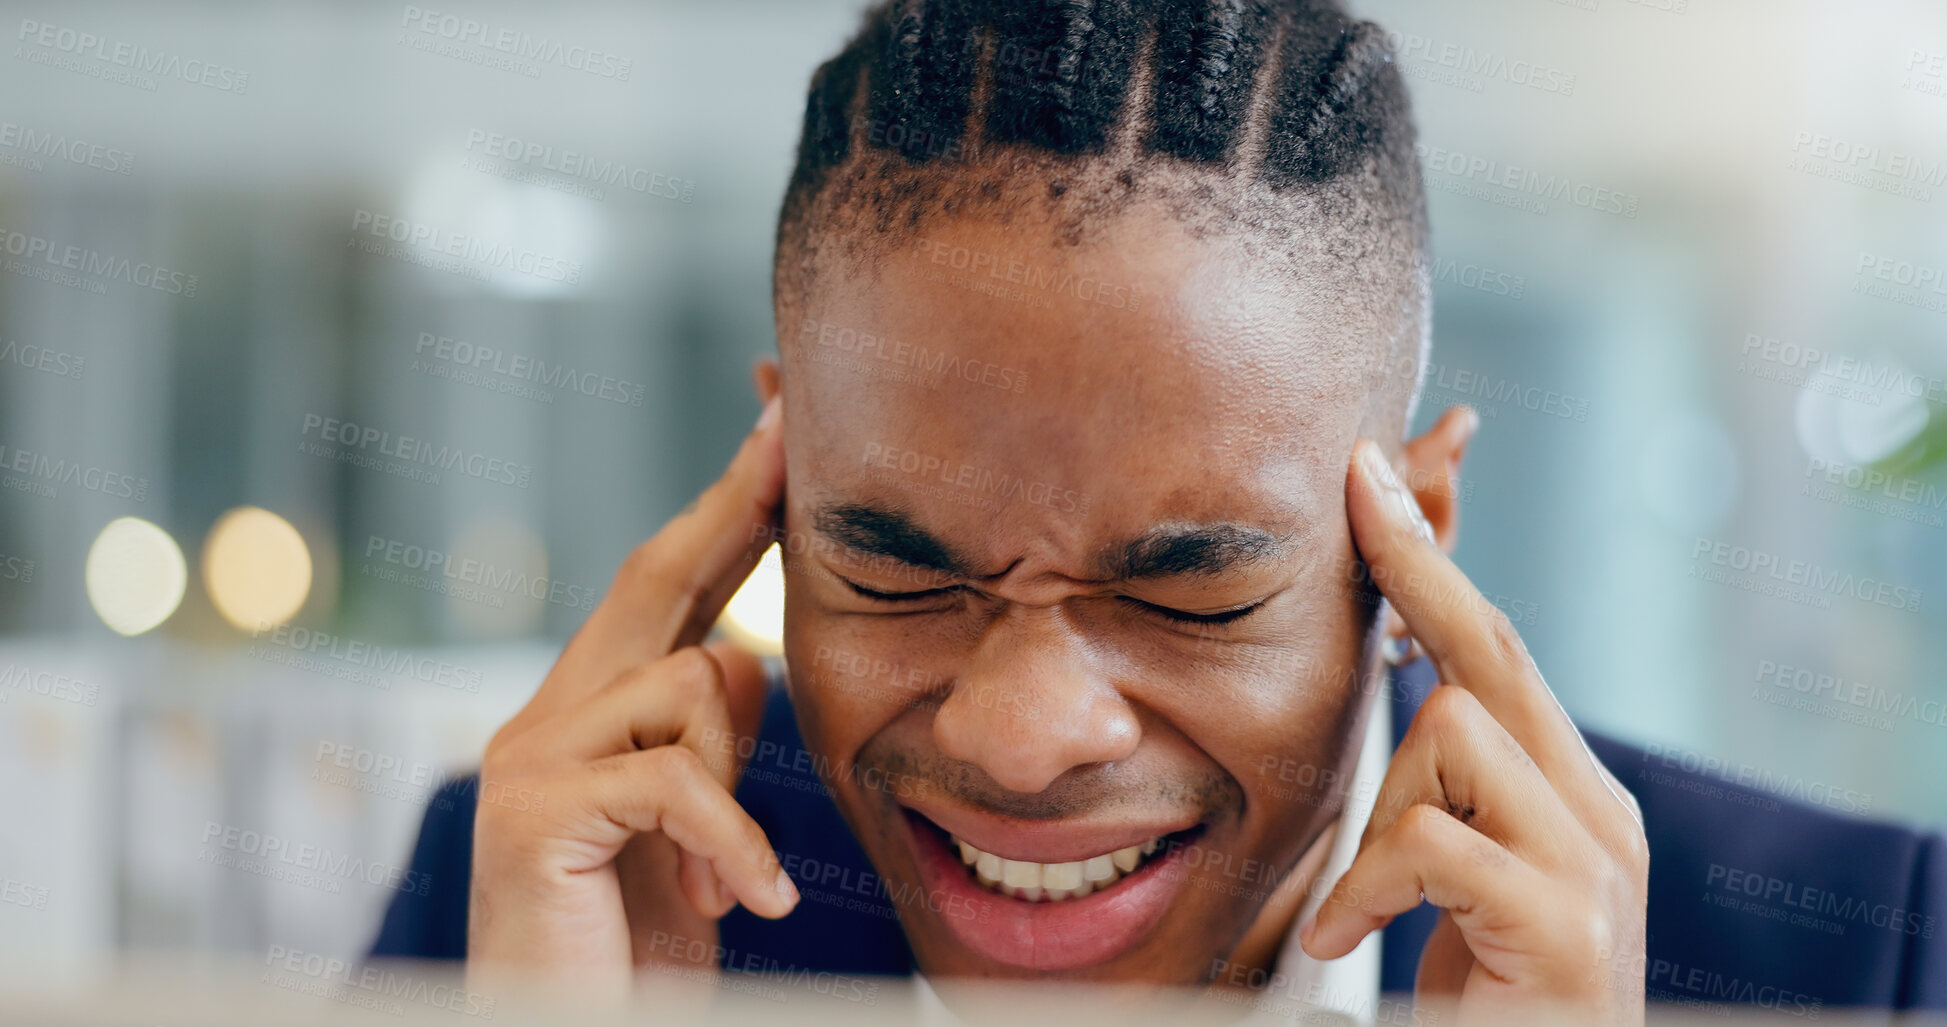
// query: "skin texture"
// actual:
[[1201, 406], [1038, 679]]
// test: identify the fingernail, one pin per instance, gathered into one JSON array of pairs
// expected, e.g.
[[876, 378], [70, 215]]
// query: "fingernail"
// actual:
[[771, 412], [1305, 933], [729, 897], [787, 890], [1473, 421], [1404, 505], [1410, 509], [1377, 468]]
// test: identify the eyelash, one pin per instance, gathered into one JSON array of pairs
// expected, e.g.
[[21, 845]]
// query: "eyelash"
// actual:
[[1208, 619], [1180, 616]]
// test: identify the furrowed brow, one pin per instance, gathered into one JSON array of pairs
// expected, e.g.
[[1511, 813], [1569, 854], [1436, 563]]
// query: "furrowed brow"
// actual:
[[889, 534], [1208, 549]]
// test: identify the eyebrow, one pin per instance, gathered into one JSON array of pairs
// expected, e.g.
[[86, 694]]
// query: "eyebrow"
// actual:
[[1203, 549], [888, 533]]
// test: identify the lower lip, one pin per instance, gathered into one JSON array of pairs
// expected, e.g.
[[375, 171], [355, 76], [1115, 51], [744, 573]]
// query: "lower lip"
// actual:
[[1065, 935]]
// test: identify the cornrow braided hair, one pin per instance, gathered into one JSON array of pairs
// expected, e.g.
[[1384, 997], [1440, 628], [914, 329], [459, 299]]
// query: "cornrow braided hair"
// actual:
[[1288, 118]]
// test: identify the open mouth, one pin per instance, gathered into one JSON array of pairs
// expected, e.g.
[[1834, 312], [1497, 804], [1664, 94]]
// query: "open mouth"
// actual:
[[1058, 882], [1097, 893]]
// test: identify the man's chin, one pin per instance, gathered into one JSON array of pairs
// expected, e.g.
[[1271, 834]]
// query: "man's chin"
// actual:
[[1026, 929]]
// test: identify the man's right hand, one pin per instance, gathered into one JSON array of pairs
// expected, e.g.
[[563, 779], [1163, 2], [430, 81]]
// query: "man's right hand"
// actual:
[[625, 764]]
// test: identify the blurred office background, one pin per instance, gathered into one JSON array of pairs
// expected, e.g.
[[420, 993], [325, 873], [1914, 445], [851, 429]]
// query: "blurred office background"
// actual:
[[1647, 215]]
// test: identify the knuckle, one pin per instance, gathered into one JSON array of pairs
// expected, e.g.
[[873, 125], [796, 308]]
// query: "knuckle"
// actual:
[[1421, 824], [505, 750], [693, 674], [1585, 936], [1447, 707], [676, 764], [645, 563], [1504, 642], [1635, 851], [754, 842]]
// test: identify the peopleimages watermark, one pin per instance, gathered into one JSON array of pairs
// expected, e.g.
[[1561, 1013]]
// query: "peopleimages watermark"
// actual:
[[366, 986], [443, 572], [1925, 72], [1840, 374], [747, 972], [1809, 906], [85, 268], [1875, 491], [514, 46], [997, 272], [404, 456], [842, 886], [981, 487], [118, 61], [361, 662], [1888, 171], [877, 677], [1524, 188], [928, 367], [1796, 581], [343, 765], [1411, 590], [585, 173], [1263, 989], [515, 374], [48, 684], [428, 245], [1464, 67], [1842, 699], [304, 864], [22, 894], [58, 363], [24, 470], [1478, 277], [1701, 775], [1671, 984], [27, 148], [1900, 281], [16, 568], [795, 767], [1488, 394]]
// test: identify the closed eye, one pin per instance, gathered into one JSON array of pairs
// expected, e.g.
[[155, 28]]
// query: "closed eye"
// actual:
[[1180, 616], [1186, 617], [897, 597]]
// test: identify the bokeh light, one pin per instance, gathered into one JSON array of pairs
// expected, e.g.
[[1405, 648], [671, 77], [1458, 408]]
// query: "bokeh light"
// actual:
[[754, 617], [135, 575], [256, 567]]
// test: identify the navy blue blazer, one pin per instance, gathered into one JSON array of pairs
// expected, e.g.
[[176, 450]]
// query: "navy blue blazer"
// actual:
[[1755, 899]]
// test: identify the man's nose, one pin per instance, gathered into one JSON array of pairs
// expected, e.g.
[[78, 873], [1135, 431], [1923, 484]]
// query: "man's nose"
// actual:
[[1030, 705]]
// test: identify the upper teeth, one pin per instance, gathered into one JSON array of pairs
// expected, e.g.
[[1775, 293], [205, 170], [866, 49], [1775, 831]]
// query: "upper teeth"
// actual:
[[1053, 882]]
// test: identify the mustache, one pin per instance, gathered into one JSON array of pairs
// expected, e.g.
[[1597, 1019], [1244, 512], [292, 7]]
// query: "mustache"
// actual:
[[1099, 788]]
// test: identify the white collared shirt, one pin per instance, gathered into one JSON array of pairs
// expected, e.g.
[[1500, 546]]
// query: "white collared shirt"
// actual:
[[1312, 991]]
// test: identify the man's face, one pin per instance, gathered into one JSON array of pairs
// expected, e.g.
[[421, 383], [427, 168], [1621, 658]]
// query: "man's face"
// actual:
[[1067, 570]]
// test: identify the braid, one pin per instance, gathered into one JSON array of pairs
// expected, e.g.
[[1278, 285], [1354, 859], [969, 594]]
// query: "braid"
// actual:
[[1319, 129], [939, 105], [923, 75], [1206, 64], [1061, 69]]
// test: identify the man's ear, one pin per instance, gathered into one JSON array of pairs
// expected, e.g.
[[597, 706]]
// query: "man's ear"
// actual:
[[1432, 471], [768, 379]]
